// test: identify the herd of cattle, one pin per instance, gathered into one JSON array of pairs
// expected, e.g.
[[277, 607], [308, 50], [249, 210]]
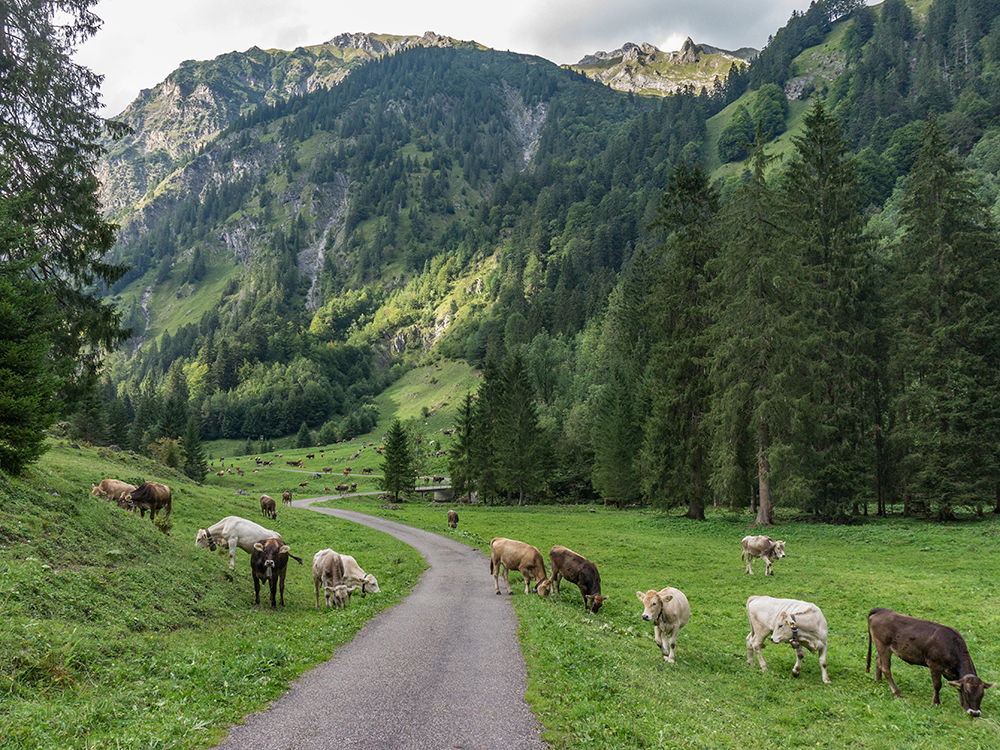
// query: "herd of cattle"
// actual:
[[798, 623]]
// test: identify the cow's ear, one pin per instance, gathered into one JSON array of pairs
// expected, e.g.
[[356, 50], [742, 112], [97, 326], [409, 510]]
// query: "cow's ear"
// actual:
[[258, 546], [666, 599], [638, 595], [955, 683], [988, 685], [284, 549]]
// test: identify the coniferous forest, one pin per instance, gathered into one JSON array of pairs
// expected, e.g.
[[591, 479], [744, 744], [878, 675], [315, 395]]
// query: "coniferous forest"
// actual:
[[775, 291]]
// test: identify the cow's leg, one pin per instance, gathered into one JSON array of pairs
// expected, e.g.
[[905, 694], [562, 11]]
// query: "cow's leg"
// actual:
[[822, 664], [883, 662], [936, 681], [658, 636], [768, 570], [755, 645], [274, 587], [526, 575], [799, 655], [749, 570], [669, 656], [316, 584], [281, 587], [232, 553], [256, 591]]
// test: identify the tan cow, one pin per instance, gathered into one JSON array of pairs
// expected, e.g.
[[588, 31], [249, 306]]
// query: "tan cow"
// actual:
[[356, 579], [453, 519], [763, 547], [286, 498], [786, 621], [113, 490], [507, 555], [669, 611], [328, 574]]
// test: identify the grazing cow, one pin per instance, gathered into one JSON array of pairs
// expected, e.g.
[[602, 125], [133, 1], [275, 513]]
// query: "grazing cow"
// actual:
[[269, 562], [342, 488], [669, 611], [149, 496], [763, 547], [232, 532], [367, 470], [926, 644], [786, 621], [356, 579], [328, 574], [577, 569], [437, 479], [286, 498], [453, 519], [327, 469], [112, 489], [268, 508], [507, 555], [303, 484]]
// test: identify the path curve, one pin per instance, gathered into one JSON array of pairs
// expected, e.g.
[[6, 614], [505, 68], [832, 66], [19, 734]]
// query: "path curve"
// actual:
[[441, 669]]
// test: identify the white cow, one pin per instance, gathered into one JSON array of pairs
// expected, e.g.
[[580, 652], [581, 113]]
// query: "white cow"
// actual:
[[233, 531], [669, 611], [328, 574], [786, 621], [356, 579], [764, 547]]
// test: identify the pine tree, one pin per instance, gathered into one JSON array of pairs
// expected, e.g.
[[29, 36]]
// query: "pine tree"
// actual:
[[947, 322], [676, 436], [520, 456], [397, 462], [195, 461], [304, 437], [462, 451]]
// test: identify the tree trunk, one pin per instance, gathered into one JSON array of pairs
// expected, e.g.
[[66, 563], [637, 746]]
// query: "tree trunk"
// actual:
[[765, 511]]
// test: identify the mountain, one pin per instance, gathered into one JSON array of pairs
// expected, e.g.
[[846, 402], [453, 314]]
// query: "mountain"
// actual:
[[644, 69]]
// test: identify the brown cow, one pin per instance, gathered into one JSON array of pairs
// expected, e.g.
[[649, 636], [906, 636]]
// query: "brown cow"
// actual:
[[267, 507], [113, 490], [509, 554], [764, 547], [269, 562], [577, 569], [286, 498], [926, 644], [149, 496], [453, 519], [342, 488]]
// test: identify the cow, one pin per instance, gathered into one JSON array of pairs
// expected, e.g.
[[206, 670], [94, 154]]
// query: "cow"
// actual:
[[763, 547], [786, 621], [453, 519], [342, 488], [113, 490], [232, 532], [286, 498], [367, 470], [355, 579], [669, 611], [267, 507], [149, 496], [927, 644], [328, 574], [269, 562], [509, 554], [577, 569]]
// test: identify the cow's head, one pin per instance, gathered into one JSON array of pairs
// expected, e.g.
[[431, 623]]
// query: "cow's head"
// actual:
[[97, 491], [271, 550], [594, 602], [970, 692], [203, 539], [338, 595], [785, 630], [778, 550], [544, 588], [369, 585], [652, 604]]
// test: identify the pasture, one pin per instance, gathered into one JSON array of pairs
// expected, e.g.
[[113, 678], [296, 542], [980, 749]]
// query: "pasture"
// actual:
[[116, 635], [598, 681]]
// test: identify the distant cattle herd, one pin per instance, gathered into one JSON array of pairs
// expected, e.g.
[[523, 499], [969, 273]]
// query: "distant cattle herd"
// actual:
[[798, 623]]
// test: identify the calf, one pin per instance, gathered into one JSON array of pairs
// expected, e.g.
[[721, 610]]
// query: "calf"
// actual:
[[355, 579], [669, 611], [507, 555], [453, 519], [269, 562], [786, 621], [149, 496], [286, 498], [328, 574], [112, 489], [232, 532], [577, 569], [926, 644], [763, 547], [267, 507]]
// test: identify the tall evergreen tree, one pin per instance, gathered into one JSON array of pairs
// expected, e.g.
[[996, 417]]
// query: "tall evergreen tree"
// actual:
[[676, 436], [195, 461], [521, 455], [462, 451], [945, 357], [760, 388], [397, 462]]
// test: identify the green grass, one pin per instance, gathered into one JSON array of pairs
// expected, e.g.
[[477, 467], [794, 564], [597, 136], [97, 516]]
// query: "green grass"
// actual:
[[598, 681]]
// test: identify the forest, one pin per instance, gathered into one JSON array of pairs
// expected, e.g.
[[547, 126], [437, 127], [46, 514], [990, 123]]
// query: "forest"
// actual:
[[815, 329]]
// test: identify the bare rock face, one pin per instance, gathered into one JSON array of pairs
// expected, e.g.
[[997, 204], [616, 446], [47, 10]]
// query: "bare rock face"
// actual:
[[688, 54]]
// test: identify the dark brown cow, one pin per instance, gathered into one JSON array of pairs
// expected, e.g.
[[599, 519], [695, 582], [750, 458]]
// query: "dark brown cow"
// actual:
[[269, 562], [926, 644], [577, 569], [268, 508], [286, 498], [453, 519], [342, 488], [149, 496]]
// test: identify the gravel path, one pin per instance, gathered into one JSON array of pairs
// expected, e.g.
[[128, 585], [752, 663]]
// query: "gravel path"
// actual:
[[441, 669]]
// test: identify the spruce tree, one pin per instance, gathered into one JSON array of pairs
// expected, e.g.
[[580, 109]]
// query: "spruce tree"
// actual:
[[461, 452], [521, 454], [397, 462], [195, 461], [676, 436], [947, 321]]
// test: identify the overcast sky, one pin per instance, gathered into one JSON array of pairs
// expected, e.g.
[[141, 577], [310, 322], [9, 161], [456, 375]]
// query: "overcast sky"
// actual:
[[142, 41]]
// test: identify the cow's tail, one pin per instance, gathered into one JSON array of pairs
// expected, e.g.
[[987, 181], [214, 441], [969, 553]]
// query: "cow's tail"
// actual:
[[868, 664], [297, 559]]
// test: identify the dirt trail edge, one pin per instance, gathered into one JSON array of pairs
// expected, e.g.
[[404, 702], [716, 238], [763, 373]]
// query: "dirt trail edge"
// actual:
[[441, 669]]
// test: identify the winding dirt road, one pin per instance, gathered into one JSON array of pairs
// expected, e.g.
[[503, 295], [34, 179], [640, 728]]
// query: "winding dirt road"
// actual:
[[441, 669]]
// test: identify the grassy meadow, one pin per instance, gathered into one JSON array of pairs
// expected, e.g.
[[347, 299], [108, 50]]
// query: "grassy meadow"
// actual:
[[116, 635]]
